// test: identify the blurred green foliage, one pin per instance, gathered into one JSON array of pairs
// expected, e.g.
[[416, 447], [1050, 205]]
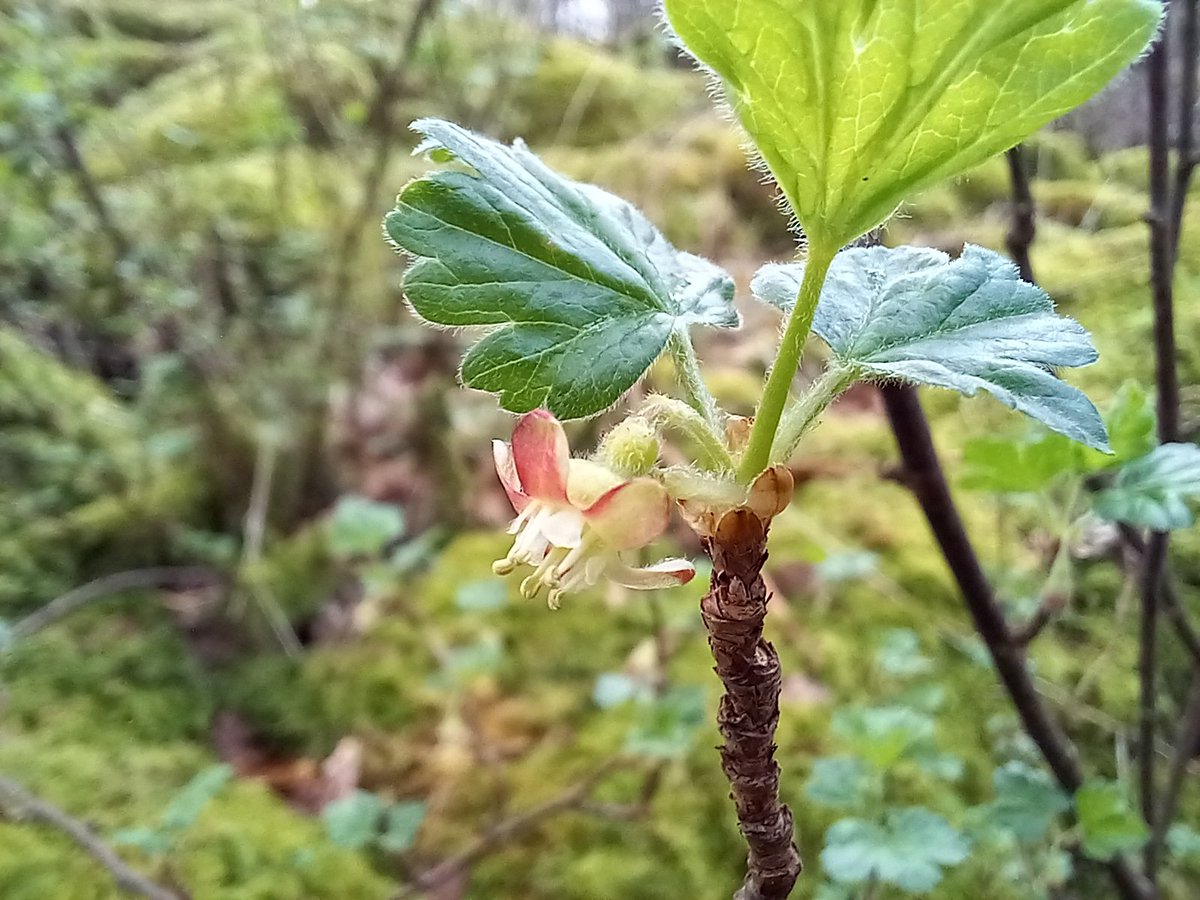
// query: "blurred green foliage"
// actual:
[[198, 366]]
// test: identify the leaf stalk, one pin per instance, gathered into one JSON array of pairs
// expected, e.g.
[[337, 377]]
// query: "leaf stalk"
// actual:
[[779, 382]]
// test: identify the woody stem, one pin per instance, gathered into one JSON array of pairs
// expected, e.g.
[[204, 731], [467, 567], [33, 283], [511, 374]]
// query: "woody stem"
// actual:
[[733, 611]]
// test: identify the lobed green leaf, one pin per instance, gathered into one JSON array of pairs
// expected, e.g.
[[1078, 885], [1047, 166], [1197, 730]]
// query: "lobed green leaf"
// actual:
[[580, 292], [1027, 801], [1154, 491], [855, 104], [910, 849], [1107, 823], [967, 324]]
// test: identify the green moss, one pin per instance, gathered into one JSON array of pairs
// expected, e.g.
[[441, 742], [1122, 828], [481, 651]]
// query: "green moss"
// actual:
[[697, 187], [579, 95], [1054, 155], [1089, 205], [76, 479]]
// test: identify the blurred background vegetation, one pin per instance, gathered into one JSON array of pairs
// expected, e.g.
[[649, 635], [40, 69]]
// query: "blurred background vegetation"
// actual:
[[304, 681]]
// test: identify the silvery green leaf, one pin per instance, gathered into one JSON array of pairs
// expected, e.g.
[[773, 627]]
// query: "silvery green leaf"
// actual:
[[579, 291], [910, 849], [966, 324], [1154, 491]]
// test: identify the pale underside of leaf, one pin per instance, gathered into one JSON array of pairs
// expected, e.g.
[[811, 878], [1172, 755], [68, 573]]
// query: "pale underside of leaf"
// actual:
[[968, 324], [580, 291], [1155, 491], [854, 104]]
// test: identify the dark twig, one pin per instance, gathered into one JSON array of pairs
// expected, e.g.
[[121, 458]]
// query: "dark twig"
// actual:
[[1185, 629], [1024, 634], [1185, 164], [733, 611], [176, 578], [1162, 263], [19, 804], [85, 181], [388, 87], [1187, 741], [924, 476], [1023, 227], [574, 797]]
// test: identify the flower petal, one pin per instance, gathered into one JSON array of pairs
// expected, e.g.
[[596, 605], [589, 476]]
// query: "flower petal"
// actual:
[[540, 454], [588, 481], [665, 574], [509, 480], [630, 515], [563, 528]]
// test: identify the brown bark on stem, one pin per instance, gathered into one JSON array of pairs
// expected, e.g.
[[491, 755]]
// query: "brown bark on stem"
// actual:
[[733, 611]]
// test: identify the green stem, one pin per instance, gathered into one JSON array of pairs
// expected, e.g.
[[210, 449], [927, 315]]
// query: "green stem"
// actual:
[[775, 393], [687, 373], [708, 449], [803, 414]]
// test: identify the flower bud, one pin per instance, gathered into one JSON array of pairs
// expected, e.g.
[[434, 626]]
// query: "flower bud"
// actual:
[[630, 449]]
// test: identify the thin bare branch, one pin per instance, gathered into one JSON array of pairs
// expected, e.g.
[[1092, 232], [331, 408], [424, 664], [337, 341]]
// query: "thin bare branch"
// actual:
[[1023, 226], [1187, 741], [19, 804], [573, 797], [1162, 264], [176, 578], [924, 476]]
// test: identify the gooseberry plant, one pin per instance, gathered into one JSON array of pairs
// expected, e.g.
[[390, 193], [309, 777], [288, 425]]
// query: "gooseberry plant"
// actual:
[[851, 105]]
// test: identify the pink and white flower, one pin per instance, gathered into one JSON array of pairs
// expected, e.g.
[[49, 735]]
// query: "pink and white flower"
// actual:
[[575, 517]]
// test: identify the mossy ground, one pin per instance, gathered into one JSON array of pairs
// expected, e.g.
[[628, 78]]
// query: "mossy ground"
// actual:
[[108, 714]]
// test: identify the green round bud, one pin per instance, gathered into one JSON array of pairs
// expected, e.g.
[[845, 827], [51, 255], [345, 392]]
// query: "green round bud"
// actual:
[[630, 449]]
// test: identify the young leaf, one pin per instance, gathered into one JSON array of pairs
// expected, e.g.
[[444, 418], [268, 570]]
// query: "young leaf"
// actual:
[[967, 324], [582, 293], [353, 821], [615, 688], [486, 595], [1027, 801], [884, 735], [855, 104], [909, 850], [1005, 466], [1107, 823], [668, 725], [151, 841], [401, 825], [1153, 492], [1131, 421], [899, 654], [839, 782], [185, 807], [1184, 842], [363, 527]]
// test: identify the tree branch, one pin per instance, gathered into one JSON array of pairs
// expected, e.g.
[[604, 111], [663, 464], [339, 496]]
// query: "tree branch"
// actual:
[[1024, 634], [1187, 741], [1023, 227], [19, 804], [1163, 238], [1185, 164], [1185, 630], [924, 476], [162, 578], [574, 797]]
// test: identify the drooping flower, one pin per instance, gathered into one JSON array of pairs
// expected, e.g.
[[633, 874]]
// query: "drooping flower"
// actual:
[[576, 517]]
